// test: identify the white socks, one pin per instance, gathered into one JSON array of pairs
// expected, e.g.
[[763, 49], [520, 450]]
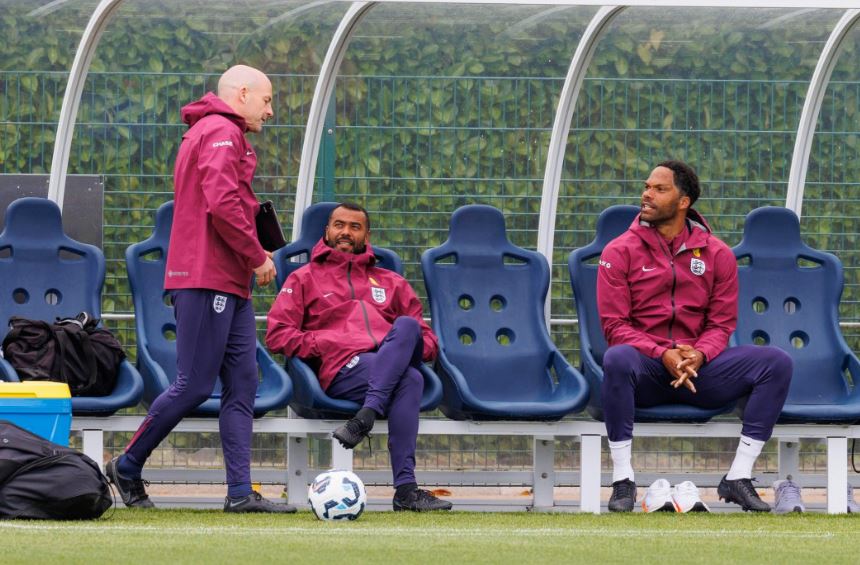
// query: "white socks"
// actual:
[[748, 451], [621, 452]]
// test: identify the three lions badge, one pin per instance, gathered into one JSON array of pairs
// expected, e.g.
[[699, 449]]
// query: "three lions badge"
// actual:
[[697, 266], [376, 291]]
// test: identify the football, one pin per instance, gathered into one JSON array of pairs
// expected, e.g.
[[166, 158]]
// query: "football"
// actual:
[[337, 495]]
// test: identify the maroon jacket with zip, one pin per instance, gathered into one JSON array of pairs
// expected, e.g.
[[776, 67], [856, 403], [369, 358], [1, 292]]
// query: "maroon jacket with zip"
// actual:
[[339, 305], [654, 300], [213, 242]]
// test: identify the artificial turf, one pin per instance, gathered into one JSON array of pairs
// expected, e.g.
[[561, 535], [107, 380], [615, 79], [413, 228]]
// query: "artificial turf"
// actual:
[[202, 536]]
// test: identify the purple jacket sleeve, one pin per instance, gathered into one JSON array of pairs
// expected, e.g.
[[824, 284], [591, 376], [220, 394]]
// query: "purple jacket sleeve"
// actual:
[[722, 315], [284, 333], [614, 304], [218, 165], [411, 306]]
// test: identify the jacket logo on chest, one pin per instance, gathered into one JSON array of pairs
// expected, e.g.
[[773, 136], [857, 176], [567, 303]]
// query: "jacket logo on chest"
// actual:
[[697, 267], [378, 294]]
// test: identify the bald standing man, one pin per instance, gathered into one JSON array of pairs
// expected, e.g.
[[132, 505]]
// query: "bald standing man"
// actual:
[[213, 253]]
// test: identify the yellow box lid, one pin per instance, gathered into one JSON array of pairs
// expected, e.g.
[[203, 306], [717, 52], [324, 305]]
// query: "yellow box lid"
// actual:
[[34, 389]]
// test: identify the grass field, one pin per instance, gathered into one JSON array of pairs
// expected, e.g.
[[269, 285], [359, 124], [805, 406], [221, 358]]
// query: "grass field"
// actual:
[[202, 536]]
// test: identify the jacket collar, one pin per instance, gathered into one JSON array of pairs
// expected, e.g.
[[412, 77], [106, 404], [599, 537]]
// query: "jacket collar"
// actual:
[[700, 231], [322, 253]]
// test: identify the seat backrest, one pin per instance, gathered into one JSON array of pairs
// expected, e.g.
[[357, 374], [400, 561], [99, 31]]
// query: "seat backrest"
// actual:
[[487, 302], [297, 253], [582, 265], [154, 319], [44, 274], [789, 298]]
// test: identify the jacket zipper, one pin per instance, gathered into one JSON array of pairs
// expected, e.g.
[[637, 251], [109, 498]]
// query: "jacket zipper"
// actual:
[[361, 303], [672, 294]]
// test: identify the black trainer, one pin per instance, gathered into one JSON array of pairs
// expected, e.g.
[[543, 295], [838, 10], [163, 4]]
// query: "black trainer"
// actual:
[[132, 491], [255, 502], [351, 433], [623, 496], [742, 491], [418, 500]]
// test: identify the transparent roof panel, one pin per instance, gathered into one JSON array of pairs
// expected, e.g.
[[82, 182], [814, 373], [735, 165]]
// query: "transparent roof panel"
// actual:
[[39, 43], [443, 105], [157, 56], [719, 88], [832, 190]]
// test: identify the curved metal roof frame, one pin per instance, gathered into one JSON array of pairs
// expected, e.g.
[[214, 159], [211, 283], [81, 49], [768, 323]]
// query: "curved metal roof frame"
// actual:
[[564, 110], [812, 107]]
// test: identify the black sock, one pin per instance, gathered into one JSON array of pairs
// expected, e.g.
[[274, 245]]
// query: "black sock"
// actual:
[[403, 490], [367, 416]]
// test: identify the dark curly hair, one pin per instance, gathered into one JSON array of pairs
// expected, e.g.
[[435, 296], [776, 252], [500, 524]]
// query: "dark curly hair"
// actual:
[[685, 179]]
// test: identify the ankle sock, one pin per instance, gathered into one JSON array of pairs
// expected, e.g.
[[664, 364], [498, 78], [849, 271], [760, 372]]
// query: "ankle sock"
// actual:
[[405, 489], [238, 490], [367, 416], [622, 453], [748, 451], [128, 467]]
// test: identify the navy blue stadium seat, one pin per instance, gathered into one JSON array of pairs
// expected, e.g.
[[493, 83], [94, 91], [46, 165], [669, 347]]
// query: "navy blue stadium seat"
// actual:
[[582, 264], [309, 399], [45, 275], [496, 360], [789, 298], [156, 327]]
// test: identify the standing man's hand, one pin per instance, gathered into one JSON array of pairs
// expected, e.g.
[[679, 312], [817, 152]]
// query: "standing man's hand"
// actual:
[[266, 272]]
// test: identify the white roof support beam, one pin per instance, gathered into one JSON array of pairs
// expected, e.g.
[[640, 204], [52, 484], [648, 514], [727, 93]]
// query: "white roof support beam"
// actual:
[[561, 129], [316, 115], [812, 107], [72, 99]]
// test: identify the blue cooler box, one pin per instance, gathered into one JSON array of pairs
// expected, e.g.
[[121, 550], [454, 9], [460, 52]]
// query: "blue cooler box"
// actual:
[[44, 408]]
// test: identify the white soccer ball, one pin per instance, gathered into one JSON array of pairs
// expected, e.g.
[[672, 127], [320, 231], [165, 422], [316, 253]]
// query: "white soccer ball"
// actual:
[[337, 495]]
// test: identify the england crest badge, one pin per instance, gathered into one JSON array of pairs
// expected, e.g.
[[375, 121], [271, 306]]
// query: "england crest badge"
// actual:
[[378, 294], [219, 303], [697, 267]]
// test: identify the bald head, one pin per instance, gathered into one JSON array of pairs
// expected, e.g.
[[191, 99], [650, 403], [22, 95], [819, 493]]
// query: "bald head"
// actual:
[[248, 92]]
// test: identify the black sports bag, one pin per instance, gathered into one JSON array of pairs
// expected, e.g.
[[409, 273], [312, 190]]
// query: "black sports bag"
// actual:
[[42, 480]]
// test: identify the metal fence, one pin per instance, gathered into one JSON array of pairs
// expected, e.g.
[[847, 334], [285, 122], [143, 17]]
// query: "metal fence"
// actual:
[[390, 147]]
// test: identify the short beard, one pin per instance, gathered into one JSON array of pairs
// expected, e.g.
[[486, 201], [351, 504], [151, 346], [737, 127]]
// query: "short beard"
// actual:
[[357, 249]]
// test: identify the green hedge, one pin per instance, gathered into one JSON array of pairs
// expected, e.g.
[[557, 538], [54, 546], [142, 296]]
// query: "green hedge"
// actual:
[[432, 112]]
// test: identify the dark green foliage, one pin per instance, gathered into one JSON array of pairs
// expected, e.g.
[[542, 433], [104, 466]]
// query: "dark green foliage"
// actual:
[[437, 108]]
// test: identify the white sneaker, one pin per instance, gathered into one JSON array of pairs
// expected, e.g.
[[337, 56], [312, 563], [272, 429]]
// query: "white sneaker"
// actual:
[[853, 507], [658, 498], [686, 498]]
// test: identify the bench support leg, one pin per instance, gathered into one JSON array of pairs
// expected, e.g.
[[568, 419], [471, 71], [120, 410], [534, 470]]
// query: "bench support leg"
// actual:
[[837, 475], [789, 458], [93, 444], [544, 473], [297, 470], [589, 481], [341, 458]]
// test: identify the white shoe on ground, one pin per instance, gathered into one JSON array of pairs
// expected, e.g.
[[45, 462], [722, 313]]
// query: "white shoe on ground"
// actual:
[[686, 498], [658, 497]]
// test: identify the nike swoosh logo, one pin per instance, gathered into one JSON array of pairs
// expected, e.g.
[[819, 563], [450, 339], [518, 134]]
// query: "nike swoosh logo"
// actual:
[[644, 270], [326, 295], [232, 504], [745, 443]]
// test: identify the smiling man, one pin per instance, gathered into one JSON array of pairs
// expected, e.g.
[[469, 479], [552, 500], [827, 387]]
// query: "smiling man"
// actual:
[[361, 328], [667, 293]]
